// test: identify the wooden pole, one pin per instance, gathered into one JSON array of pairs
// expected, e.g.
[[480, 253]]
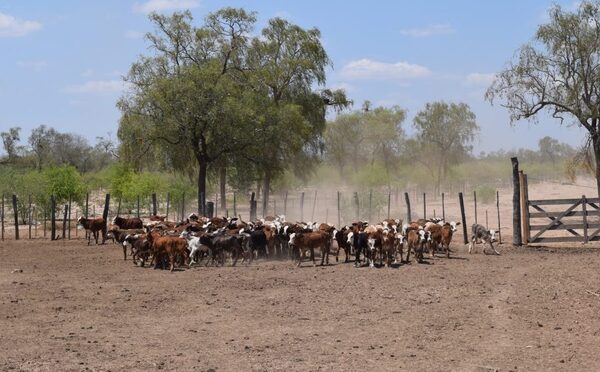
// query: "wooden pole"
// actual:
[[357, 205], [29, 216], [285, 204], [154, 208], [370, 205], [183, 206], [424, 206], [138, 207], [487, 226], [53, 217], [339, 213], [119, 206], [408, 214], [16, 213], [76, 219], [463, 217], [302, 207], [2, 216], [516, 203], [105, 216], [498, 210], [475, 203], [36, 221], [64, 224], [252, 203], [312, 216], [69, 219], [234, 204], [443, 209], [585, 224], [87, 204], [389, 204], [168, 202], [45, 220]]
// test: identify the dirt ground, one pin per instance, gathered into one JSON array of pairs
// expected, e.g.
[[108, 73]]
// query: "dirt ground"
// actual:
[[75, 307]]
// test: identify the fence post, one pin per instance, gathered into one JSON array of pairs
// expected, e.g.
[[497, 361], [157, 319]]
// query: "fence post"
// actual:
[[585, 225], [53, 217], [357, 205], [119, 206], [235, 204], [370, 205], [64, 224], [285, 204], [516, 203], [408, 214], [498, 210], [312, 216], [463, 217], [443, 209], [2, 216], [69, 220], [29, 216], [183, 206], [87, 204], [524, 208], [154, 211], [45, 220], [105, 216], [389, 204], [76, 219], [475, 202], [302, 207], [424, 206], [16, 213], [339, 213], [138, 207], [487, 226], [168, 202], [252, 204]]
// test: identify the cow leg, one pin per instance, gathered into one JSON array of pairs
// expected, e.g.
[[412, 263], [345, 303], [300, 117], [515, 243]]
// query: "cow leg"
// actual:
[[357, 257], [171, 261], [432, 249], [124, 252], [494, 249]]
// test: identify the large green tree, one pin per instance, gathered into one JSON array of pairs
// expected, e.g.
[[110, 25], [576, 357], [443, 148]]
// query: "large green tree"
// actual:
[[444, 135], [187, 105], [558, 72]]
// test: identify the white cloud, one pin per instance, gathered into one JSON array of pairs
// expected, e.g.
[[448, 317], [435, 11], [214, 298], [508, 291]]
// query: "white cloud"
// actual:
[[345, 86], [98, 86], [36, 66], [134, 35], [480, 79], [165, 5], [431, 30], [368, 69], [14, 27]]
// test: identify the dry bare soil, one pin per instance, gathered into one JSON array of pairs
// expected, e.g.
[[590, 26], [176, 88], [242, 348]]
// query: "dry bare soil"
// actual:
[[75, 307]]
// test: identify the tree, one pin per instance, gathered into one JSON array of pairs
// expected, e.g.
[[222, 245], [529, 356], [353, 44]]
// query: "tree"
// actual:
[[10, 140], [40, 141], [186, 104], [446, 132], [287, 62], [558, 72]]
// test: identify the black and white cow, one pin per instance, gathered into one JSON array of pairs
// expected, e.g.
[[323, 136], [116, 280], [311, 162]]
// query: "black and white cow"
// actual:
[[480, 233]]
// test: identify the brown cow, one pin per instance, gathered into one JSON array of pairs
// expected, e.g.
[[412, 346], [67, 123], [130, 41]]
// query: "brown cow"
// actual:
[[447, 232], [169, 245], [435, 232], [94, 226], [310, 241]]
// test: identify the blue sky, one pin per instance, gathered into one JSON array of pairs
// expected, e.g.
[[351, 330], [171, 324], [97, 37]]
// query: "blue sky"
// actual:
[[62, 61]]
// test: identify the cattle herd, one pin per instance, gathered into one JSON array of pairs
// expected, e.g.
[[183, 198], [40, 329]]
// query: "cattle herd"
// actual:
[[217, 240]]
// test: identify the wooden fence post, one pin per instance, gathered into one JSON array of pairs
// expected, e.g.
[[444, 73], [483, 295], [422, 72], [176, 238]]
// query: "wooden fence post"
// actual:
[[498, 210], [302, 207], [463, 217], [45, 220], [87, 204], [168, 202], [183, 206], [16, 213], [524, 208], [53, 217], [370, 205], [408, 213], [2, 216], [357, 205], [252, 204], [585, 224], [154, 209], [64, 224], [105, 216], [69, 219], [339, 213], [424, 206], [312, 216], [119, 206], [138, 207], [285, 199], [235, 204], [475, 203], [486, 220], [516, 203], [389, 204], [29, 216], [443, 209]]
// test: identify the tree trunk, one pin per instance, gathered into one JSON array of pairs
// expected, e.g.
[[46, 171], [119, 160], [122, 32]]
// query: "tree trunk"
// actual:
[[266, 188], [223, 182], [202, 166], [596, 144]]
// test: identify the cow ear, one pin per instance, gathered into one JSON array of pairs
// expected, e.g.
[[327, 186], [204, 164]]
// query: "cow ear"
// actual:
[[458, 223]]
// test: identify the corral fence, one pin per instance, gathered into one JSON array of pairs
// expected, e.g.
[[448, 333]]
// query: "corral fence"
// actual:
[[543, 221], [20, 218]]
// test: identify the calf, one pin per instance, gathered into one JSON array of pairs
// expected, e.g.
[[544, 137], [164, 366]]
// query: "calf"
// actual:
[[169, 245], [447, 232], [480, 233], [128, 223], [139, 246], [416, 239], [360, 243], [435, 232], [310, 241], [94, 226], [119, 236]]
